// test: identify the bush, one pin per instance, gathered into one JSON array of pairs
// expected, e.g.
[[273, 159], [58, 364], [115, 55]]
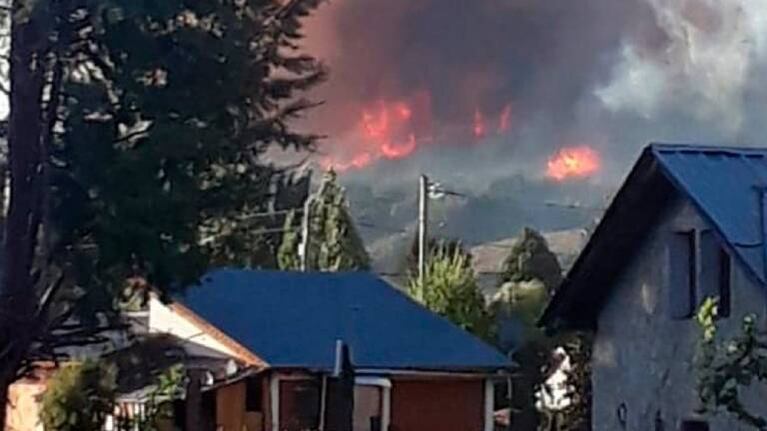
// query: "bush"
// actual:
[[79, 397], [450, 289]]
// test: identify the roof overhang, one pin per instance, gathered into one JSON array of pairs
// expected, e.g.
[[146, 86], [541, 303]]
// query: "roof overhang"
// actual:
[[637, 206]]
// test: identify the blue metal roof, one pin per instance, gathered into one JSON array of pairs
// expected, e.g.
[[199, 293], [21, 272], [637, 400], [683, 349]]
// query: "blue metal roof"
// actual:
[[724, 183], [291, 319]]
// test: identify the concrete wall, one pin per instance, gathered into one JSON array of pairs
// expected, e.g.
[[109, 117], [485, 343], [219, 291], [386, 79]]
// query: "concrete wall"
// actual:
[[643, 359], [23, 408]]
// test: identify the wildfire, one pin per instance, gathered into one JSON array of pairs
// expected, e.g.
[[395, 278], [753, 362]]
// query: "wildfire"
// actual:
[[393, 129], [385, 132], [573, 162], [393, 151]]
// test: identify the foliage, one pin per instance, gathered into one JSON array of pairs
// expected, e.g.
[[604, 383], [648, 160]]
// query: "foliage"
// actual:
[[531, 272], [287, 254], [433, 246], [79, 397], [577, 415], [531, 259], [524, 302], [517, 306], [153, 121], [450, 289], [334, 243], [158, 407], [726, 367]]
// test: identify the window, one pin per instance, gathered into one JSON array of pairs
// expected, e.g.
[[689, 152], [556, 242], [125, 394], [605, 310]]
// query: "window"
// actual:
[[714, 272], [699, 268], [368, 408], [253, 394], [694, 426], [299, 405], [725, 263], [683, 274]]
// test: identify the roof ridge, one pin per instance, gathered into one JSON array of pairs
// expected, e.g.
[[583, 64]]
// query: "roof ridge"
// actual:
[[706, 148]]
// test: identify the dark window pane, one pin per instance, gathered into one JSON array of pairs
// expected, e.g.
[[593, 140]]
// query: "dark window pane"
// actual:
[[710, 266], [253, 394], [714, 272], [725, 274], [299, 405], [682, 277]]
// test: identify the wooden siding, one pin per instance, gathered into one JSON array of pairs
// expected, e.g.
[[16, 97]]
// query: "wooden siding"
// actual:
[[230, 407], [445, 405]]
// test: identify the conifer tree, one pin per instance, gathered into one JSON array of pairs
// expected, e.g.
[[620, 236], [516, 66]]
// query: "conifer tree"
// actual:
[[137, 135], [334, 243], [530, 259]]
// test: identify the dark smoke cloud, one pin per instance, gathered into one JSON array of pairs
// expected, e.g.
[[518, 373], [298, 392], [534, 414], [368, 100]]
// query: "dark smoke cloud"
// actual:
[[612, 74]]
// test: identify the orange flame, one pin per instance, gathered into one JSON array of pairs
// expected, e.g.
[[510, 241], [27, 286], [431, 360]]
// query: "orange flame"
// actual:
[[393, 129], [393, 151], [386, 133], [573, 162]]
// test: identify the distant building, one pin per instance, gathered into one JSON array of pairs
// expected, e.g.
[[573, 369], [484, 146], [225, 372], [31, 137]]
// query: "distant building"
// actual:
[[688, 223]]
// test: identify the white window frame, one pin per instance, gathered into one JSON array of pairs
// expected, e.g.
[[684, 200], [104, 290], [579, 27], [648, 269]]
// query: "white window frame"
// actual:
[[489, 405], [385, 385]]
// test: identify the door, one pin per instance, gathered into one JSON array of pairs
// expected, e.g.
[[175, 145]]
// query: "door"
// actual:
[[368, 408]]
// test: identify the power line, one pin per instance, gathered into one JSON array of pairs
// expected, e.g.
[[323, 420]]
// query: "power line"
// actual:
[[383, 228], [272, 213]]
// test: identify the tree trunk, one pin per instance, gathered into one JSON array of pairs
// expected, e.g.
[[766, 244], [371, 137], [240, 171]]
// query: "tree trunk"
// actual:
[[18, 298]]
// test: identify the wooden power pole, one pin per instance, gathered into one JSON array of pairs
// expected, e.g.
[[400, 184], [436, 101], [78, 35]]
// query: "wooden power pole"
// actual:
[[423, 215]]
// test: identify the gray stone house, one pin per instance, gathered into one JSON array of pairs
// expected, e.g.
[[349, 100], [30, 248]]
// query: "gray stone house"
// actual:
[[688, 223]]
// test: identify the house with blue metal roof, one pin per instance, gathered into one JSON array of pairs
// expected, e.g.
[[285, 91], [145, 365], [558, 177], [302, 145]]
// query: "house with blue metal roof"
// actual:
[[414, 370], [689, 223]]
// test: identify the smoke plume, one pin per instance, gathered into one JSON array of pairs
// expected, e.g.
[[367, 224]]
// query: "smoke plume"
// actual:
[[478, 90]]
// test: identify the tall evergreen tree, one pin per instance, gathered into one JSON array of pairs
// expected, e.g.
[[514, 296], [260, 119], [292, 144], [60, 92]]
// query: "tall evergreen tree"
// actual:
[[333, 243], [136, 139]]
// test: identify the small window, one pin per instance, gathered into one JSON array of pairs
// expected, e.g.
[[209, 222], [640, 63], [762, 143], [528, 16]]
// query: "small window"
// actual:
[[725, 288], [253, 394], [682, 268], [699, 268], [714, 272], [299, 405], [368, 408], [694, 426]]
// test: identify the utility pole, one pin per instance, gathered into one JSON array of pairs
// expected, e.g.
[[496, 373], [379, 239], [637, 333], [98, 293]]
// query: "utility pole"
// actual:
[[423, 215]]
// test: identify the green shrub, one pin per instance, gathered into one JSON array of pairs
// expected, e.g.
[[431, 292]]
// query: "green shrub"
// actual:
[[79, 397]]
